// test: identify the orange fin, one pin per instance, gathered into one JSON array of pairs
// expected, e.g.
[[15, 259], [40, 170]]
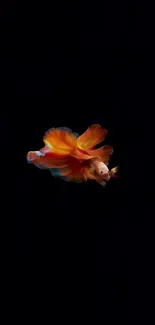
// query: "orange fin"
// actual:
[[60, 140], [68, 168], [89, 172], [107, 152], [94, 135], [81, 154], [46, 160], [75, 171], [104, 153]]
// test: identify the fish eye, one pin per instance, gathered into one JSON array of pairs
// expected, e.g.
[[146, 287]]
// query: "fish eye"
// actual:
[[101, 171]]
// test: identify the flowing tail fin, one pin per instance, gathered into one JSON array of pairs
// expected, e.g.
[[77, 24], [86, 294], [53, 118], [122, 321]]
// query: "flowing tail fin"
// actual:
[[59, 143], [33, 157]]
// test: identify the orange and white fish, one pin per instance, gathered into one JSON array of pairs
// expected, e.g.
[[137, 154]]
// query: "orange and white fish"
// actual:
[[74, 157]]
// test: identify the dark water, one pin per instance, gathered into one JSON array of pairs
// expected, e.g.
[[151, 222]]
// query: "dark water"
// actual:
[[82, 251]]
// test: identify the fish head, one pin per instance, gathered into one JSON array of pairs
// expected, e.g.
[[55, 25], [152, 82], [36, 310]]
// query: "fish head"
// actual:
[[101, 170]]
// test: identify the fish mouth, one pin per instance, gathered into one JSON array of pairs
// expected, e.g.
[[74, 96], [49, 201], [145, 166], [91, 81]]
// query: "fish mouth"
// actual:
[[106, 177]]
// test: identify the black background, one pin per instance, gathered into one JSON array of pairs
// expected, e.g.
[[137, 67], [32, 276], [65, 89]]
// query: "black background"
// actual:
[[82, 252]]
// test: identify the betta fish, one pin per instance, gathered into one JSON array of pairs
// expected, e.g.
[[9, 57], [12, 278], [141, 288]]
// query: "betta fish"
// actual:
[[74, 157]]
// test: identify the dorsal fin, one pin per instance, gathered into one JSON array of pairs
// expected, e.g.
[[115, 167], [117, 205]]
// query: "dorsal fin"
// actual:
[[94, 135]]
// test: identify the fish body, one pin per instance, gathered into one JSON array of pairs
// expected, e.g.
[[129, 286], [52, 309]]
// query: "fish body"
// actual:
[[74, 157]]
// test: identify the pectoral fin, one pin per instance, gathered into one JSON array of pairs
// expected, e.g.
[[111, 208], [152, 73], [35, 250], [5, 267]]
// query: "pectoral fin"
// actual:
[[113, 172]]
